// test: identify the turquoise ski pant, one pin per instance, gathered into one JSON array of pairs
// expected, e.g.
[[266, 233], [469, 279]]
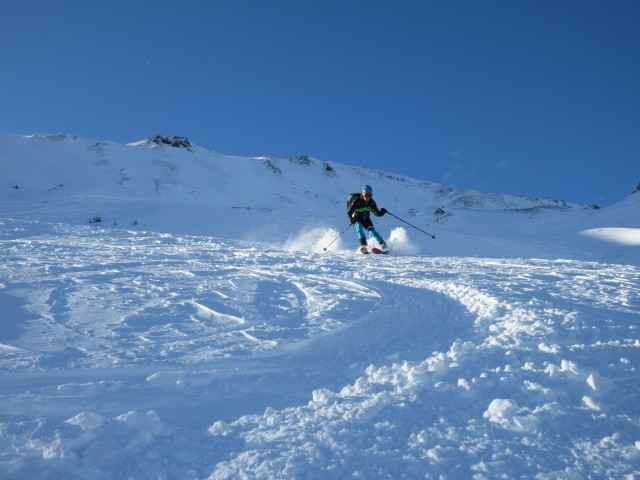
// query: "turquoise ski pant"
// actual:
[[372, 231]]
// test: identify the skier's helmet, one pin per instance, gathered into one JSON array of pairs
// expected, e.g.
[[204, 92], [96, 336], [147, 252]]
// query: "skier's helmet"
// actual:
[[367, 191]]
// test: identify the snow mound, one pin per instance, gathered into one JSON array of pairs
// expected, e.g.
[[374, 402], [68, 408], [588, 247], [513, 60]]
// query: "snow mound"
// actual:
[[620, 236]]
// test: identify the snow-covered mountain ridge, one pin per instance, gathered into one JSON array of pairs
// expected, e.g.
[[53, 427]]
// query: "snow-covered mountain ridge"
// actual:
[[153, 185], [112, 158]]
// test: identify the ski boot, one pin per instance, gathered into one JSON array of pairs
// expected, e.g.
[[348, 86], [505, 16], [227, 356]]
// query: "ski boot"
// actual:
[[363, 246]]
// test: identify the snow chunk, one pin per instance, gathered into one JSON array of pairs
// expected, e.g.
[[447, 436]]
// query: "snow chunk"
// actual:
[[88, 420], [572, 371], [463, 383], [591, 404], [543, 347], [600, 384], [322, 395], [146, 427], [505, 412], [220, 428]]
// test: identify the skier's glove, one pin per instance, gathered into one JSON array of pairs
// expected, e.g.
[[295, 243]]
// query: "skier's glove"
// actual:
[[383, 211]]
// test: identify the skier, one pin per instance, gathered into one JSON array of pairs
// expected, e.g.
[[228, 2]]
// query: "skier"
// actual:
[[359, 207]]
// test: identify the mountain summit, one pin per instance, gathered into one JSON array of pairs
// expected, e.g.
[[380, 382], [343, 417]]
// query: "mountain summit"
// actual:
[[176, 142]]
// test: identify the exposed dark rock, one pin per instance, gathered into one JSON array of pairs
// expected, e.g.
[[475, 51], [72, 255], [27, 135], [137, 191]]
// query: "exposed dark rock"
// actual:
[[176, 142]]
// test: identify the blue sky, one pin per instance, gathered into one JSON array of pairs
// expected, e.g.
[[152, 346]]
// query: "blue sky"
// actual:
[[537, 98]]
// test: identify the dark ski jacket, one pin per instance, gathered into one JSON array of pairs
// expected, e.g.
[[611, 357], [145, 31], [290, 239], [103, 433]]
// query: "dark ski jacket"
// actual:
[[358, 210]]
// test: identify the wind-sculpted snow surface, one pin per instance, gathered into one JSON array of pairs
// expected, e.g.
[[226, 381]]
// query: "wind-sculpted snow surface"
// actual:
[[144, 355]]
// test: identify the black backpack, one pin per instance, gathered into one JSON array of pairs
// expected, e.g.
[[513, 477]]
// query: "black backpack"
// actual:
[[352, 198]]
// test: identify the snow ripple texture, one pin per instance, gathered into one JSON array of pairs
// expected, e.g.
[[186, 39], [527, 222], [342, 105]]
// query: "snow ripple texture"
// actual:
[[145, 355]]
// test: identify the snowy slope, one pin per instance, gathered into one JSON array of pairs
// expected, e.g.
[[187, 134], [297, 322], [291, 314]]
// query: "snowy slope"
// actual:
[[195, 191], [200, 331]]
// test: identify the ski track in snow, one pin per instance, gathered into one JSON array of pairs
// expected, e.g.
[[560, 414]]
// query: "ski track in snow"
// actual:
[[146, 355]]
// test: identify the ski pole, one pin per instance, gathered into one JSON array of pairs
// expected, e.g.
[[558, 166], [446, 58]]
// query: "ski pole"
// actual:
[[325, 248], [432, 236]]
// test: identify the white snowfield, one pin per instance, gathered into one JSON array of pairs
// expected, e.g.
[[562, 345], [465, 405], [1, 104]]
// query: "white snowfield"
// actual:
[[140, 346]]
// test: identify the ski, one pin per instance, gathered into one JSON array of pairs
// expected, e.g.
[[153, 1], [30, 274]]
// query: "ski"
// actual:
[[364, 250]]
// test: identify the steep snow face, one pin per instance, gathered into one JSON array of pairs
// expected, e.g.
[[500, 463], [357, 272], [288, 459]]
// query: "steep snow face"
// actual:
[[129, 354]]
